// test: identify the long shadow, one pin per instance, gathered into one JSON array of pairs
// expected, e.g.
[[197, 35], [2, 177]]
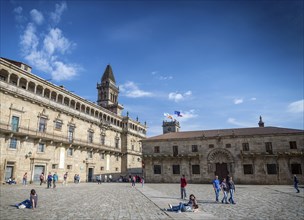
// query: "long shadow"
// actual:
[[164, 197], [207, 202]]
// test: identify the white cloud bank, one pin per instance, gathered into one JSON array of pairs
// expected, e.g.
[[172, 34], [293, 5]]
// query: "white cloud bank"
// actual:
[[131, 90], [175, 96], [238, 101], [296, 107], [44, 51]]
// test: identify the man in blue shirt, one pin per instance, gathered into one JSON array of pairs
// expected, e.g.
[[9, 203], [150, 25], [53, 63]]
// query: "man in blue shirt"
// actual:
[[217, 188]]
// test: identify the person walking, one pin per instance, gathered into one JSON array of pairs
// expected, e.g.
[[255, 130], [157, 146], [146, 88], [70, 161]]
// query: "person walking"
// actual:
[[133, 179], [216, 187], [49, 180], [142, 182], [41, 178], [296, 183], [24, 179], [106, 177], [231, 187], [224, 188], [55, 179], [65, 177], [183, 184]]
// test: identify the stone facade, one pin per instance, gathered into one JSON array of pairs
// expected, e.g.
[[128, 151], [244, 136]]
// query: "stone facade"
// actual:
[[261, 155], [44, 127]]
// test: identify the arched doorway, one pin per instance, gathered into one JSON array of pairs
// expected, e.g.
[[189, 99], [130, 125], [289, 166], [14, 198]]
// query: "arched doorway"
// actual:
[[220, 163]]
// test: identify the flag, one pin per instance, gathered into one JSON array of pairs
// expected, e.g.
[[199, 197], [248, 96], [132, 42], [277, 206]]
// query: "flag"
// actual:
[[178, 113], [168, 115]]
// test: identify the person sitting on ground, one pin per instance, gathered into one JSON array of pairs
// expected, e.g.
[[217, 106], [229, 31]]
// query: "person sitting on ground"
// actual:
[[29, 203], [191, 206], [33, 199]]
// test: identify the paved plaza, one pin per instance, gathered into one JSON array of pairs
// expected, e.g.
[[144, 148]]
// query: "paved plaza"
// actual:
[[121, 201]]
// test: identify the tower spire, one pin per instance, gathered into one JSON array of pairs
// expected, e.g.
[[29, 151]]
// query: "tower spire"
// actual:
[[261, 123]]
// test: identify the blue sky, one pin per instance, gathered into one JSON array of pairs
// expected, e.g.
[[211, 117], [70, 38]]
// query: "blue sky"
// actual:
[[222, 64]]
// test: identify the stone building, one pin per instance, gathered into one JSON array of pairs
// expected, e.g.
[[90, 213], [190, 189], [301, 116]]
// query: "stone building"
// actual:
[[258, 155], [46, 128]]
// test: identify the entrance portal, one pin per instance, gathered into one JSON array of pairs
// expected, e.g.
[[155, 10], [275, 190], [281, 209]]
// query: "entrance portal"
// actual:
[[9, 172], [37, 171], [221, 170], [90, 175]]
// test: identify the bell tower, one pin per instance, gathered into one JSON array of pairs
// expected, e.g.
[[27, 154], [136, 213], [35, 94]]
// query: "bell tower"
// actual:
[[170, 126], [108, 92]]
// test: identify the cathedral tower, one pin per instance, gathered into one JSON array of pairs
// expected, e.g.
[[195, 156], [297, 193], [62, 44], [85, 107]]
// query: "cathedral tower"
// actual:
[[108, 92]]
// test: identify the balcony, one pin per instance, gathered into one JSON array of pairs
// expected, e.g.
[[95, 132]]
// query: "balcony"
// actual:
[[24, 133]]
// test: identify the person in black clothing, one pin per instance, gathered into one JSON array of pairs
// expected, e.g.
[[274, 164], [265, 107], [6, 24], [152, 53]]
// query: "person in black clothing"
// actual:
[[296, 183], [231, 187]]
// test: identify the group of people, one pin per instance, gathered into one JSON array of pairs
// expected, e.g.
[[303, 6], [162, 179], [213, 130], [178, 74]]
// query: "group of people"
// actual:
[[227, 187], [52, 179], [190, 206]]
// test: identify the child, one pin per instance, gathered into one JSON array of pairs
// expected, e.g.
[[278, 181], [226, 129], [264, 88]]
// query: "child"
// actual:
[[191, 206], [33, 199]]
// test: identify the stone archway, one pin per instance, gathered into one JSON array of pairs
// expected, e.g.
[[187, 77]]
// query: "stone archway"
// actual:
[[220, 162]]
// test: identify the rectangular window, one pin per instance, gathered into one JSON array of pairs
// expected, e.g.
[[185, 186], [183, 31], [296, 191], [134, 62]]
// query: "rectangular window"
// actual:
[[102, 156], [271, 168], [268, 146], [196, 169], [90, 136], [13, 143], [90, 154], [101, 168], [245, 146], [15, 123], [58, 124], [70, 152], [40, 148], [156, 149], [176, 169], [175, 151], [116, 143], [132, 147], [103, 139], [248, 169], [211, 145], [54, 166], [157, 169], [296, 168], [194, 148], [71, 133], [228, 145], [116, 168], [69, 167], [293, 144], [42, 125]]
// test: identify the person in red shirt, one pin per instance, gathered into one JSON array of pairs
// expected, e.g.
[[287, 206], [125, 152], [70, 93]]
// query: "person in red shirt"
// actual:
[[183, 187]]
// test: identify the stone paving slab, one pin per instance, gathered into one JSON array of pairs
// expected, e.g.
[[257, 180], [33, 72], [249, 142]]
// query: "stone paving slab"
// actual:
[[121, 201]]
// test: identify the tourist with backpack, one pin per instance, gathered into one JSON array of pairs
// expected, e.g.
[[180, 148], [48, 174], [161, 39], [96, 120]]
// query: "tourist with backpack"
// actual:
[[49, 180], [225, 189]]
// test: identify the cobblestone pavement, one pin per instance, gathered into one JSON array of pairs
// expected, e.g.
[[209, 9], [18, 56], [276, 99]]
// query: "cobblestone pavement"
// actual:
[[121, 201], [253, 201]]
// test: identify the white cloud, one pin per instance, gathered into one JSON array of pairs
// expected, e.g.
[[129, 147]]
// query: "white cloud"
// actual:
[[238, 123], [56, 16], [253, 99], [238, 101], [186, 115], [296, 107], [130, 89], [18, 14], [55, 41], [161, 77], [178, 96], [44, 51], [37, 16]]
